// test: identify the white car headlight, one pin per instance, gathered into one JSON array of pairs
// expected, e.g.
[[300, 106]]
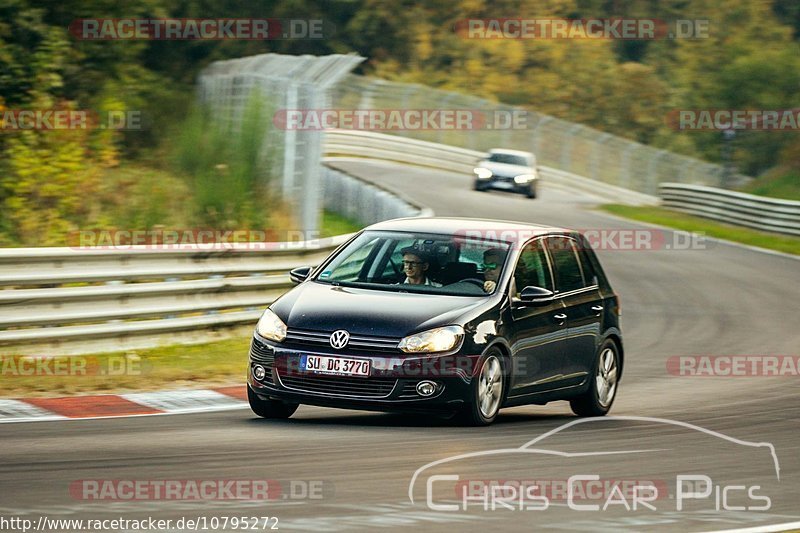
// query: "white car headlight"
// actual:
[[433, 340], [524, 178], [482, 173], [271, 327]]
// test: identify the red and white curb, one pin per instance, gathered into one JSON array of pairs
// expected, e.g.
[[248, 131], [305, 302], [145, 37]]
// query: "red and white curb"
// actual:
[[121, 405]]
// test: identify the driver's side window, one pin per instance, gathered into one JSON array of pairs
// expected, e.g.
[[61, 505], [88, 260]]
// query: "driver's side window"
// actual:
[[532, 269]]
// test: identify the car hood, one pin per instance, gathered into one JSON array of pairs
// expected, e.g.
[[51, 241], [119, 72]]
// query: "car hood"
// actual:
[[323, 307], [504, 169]]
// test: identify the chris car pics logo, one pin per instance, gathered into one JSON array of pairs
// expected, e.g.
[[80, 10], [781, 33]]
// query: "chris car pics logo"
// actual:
[[441, 487]]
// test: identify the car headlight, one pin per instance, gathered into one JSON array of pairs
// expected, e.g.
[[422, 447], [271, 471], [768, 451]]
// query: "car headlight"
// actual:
[[482, 173], [524, 178], [271, 327], [433, 340]]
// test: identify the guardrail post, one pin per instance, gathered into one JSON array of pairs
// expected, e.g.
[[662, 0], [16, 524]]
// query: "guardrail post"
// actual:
[[537, 136], [596, 149], [652, 181], [289, 145], [566, 150], [625, 163], [368, 94]]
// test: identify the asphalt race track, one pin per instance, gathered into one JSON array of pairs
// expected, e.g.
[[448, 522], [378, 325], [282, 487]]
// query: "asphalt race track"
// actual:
[[717, 299]]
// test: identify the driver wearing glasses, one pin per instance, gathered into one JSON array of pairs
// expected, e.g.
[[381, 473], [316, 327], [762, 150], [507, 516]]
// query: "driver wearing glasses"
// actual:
[[415, 266]]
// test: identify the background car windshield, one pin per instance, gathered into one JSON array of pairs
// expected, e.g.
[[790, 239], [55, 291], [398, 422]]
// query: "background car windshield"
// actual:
[[453, 264], [509, 159]]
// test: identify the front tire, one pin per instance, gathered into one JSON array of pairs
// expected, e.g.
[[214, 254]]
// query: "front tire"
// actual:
[[270, 408], [486, 392], [599, 397]]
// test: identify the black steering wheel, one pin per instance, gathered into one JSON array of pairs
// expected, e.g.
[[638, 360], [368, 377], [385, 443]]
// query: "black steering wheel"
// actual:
[[476, 281]]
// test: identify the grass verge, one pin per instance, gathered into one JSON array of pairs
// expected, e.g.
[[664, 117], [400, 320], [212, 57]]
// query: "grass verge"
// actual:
[[165, 367], [681, 221], [780, 183], [333, 224]]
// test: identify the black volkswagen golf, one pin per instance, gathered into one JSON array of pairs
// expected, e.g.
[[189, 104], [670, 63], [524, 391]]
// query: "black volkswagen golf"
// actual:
[[443, 316]]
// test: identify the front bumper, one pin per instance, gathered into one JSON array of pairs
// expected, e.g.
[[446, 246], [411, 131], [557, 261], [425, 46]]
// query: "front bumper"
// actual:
[[504, 184], [391, 385]]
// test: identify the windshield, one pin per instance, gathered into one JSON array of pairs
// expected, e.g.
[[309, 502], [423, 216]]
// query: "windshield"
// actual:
[[416, 262], [509, 159]]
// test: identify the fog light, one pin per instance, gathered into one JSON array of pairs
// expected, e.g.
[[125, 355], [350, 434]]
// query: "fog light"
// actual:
[[426, 388], [259, 372]]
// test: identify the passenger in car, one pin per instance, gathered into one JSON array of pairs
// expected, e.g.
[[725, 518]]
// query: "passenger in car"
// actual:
[[415, 267], [492, 261]]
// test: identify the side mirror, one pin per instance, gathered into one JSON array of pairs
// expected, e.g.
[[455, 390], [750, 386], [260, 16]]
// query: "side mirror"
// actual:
[[300, 274], [536, 295]]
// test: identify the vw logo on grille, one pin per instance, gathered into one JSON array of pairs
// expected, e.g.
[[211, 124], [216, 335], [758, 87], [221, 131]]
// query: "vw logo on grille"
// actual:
[[339, 339]]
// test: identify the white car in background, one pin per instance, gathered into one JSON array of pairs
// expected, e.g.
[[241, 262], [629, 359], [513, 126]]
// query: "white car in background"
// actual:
[[510, 170]]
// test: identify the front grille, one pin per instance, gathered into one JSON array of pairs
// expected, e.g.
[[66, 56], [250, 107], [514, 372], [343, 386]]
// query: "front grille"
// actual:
[[262, 354], [362, 343], [340, 386], [409, 390]]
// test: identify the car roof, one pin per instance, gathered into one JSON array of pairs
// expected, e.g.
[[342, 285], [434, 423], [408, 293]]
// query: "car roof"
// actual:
[[510, 152], [496, 229]]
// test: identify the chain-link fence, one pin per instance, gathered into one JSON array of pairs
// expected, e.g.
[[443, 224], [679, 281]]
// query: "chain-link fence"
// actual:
[[557, 143], [312, 84], [279, 83]]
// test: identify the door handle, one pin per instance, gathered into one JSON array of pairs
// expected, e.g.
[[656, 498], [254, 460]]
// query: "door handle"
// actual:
[[560, 318], [597, 308]]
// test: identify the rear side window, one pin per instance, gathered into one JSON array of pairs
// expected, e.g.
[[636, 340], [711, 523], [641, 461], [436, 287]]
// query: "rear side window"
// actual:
[[565, 264], [586, 265], [532, 269]]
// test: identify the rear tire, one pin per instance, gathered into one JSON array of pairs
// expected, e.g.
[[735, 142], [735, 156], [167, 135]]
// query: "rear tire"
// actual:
[[270, 408], [486, 393], [599, 397]]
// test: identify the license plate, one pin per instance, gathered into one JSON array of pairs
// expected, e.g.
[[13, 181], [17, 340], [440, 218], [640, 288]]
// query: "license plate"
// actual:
[[504, 184], [339, 366]]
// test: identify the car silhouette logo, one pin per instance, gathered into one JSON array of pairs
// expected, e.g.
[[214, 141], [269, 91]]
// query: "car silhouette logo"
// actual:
[[339, 339], [532, 449]]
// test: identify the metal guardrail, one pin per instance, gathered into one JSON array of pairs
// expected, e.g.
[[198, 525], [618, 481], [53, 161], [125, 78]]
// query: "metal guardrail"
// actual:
[[379, 146], [384, 147], [364, 202], [757, 212], [50, 302]]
